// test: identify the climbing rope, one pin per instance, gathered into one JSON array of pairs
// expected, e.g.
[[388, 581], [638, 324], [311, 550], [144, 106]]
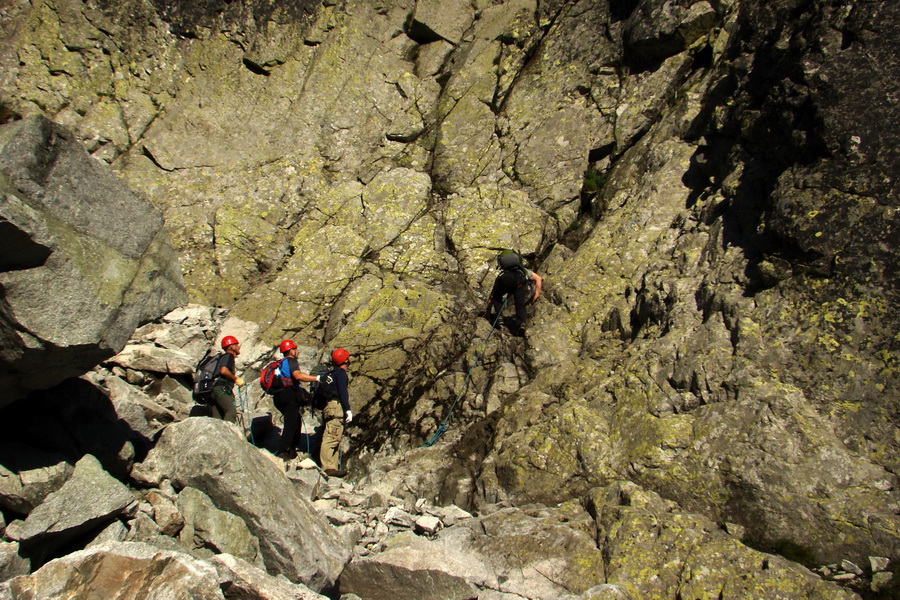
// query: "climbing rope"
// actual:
[[308, 434], [443, 427], [243, 411]]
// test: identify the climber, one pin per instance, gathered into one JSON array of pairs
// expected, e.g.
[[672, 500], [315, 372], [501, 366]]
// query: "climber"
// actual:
[[223, 406], [514, 280], [290, 398], [335, 414]]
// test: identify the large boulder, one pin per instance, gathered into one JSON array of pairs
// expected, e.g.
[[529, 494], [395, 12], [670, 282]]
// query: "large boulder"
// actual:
[[209, 455], [85, 260], [139, 570], [213, 530], [118, 569], [414, 568], [28, 476], [11, 563], [90, 499]]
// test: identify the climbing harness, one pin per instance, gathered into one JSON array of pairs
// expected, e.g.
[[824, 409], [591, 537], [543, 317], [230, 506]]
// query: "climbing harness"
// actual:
[[443, 427]]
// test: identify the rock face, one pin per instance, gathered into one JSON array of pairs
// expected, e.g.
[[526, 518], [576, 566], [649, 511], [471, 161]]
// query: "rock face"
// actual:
[[259, 518], [708, 188], [84, 261]]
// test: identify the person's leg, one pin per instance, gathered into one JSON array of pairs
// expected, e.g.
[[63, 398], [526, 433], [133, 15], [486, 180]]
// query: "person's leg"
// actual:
[[496, 309], [223, 399], [298, 434], [497, 294], [331, 437], [521, 299], [214, 411], [286, 402]]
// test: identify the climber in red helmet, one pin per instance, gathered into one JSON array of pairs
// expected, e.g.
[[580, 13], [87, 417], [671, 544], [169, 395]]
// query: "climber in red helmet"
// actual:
[[335, 414], [290, 398], [223, 406]]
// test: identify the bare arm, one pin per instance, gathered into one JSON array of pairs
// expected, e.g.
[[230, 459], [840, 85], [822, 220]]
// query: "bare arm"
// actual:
[[301, 376], [226, 373], [538, 283]]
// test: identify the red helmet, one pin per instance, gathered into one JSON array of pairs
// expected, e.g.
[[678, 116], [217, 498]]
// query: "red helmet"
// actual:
[[229, 340], [339, 356], [286, 345]]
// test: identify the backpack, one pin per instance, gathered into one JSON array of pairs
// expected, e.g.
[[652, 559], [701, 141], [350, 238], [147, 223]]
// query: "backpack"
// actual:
[[205, 376], [324, 390], [510, 261], [272, 379]]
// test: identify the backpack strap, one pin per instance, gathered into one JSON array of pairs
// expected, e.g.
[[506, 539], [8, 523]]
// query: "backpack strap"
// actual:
[[217, 370], [522, 276]]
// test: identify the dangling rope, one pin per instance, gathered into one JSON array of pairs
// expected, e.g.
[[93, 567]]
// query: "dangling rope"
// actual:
[[308, 434], [243, 411], [443, 427]]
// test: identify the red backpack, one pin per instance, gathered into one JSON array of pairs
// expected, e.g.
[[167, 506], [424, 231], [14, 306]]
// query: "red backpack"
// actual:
[[272, 379]]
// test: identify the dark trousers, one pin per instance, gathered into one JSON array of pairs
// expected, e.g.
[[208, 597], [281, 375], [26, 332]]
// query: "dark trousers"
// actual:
[[501, 290], [222, 406], [288, 402]]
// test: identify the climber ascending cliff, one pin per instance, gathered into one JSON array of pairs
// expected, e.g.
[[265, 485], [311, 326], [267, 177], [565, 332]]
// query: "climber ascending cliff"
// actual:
[[516, 281]]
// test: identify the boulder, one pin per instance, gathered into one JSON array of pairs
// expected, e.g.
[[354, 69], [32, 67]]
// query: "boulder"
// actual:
[[87, 501], [114, 532], [127, 402], [215, 531], [307, 481], [118, 569], [435, 20], [241, 579], [28, 476], [210, 455], [141, 357], [413, 568], [534, 552], [73, 232], [660, 29], [165, 513], [144, 415], [12, 563]]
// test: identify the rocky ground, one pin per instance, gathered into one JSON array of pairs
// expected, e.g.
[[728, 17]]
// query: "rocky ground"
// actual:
[[206, 507]]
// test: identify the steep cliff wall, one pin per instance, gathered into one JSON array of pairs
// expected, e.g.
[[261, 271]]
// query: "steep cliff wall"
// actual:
[[708, 188]]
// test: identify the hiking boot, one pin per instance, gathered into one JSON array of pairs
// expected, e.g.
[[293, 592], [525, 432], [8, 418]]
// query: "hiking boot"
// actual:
[[335, 473], [286, 454]]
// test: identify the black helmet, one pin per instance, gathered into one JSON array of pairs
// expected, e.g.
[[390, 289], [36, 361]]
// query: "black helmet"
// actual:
[[509, 259]]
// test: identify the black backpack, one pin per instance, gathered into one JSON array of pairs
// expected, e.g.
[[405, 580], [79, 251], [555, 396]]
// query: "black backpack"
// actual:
[[510, 261], [324, 390], [205, 376]]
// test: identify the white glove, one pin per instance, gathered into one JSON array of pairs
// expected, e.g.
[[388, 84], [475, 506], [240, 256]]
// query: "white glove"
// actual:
[[348, 416]]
